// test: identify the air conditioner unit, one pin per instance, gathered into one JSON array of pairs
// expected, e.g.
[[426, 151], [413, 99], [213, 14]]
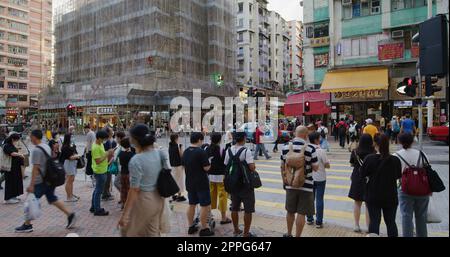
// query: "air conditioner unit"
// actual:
[[346, 2], [397, 34]]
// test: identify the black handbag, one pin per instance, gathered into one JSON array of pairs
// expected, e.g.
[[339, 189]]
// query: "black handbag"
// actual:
[[167, 186], [81, 162], [436, 183], [256, 180]]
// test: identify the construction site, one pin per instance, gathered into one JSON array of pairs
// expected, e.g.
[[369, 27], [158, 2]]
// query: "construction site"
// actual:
[[122, 61]]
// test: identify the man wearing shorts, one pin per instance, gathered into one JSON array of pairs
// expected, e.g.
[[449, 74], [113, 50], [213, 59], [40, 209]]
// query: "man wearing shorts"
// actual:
[[37, 184], [300, 201], [196, 164], [246, 195]]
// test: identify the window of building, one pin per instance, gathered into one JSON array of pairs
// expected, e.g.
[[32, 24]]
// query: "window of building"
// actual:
[[12, 73], [240, 37], [17, 61], [321, 30], [310, 32], [241, 51], [240, 7], [17, 49], [347, 11], [2, 84], [356, 8], [2, 72], [250, 7], [23, 74], [19, 2], [241, 23], [360, 8], [241, 65], [17, 13], [375, 7], [1, 47], [360, 46], [404, 4]]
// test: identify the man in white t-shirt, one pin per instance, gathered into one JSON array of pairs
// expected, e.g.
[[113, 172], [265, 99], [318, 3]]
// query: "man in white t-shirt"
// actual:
[[247, 195], [320, 179]]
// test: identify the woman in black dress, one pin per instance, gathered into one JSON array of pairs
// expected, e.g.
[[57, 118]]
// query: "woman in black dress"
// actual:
[[13, 178], [358, 186]]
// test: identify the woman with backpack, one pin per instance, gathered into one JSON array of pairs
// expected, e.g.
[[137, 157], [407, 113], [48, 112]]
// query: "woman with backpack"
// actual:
[[143, 214], [382, 170], [13, 176], [69, 158], [412, 205], [216, 177], [358, 184]]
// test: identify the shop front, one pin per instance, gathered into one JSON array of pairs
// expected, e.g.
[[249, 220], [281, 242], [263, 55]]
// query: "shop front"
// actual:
[[320, 106], [358, 94]]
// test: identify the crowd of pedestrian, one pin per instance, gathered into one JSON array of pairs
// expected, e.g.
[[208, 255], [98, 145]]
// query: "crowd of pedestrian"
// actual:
[[224, 176]]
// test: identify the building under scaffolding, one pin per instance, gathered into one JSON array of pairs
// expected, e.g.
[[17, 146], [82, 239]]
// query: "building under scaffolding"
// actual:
[[134, 56]]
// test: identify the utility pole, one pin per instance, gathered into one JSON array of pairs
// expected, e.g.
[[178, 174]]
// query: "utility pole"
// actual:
[[430, 102]]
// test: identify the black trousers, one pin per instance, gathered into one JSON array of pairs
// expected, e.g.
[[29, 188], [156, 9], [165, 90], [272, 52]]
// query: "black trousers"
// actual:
[[389, 218], [342, 140]]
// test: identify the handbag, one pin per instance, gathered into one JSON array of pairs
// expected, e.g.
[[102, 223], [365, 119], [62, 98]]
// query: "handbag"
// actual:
[[432, 215], [256, 179], [32, 208], [436, 183], [166, 184], [81, 162], [5, 161], [113, 168]]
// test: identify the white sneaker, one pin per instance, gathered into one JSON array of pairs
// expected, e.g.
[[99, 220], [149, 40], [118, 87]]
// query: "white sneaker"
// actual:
[[71, 200], [357, 229], [12, 201]]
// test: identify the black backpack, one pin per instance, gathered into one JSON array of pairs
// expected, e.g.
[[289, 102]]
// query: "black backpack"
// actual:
[[342, 130], [322, 133], [55, 174], [236, 173]]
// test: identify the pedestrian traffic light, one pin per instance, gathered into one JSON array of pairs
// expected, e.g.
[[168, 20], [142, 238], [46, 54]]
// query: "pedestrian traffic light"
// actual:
[[307, 106], [430, 85], [408, 87], [70, 110]]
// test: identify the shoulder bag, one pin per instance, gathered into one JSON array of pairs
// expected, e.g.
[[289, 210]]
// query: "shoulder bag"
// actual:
[[436, 183], [166, 184]]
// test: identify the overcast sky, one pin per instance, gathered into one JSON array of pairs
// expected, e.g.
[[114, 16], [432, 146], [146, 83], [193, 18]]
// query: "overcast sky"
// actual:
[[289, 9]]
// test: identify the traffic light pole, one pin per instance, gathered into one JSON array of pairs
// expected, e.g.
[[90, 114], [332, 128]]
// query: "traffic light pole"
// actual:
[[420, 108], [430, 102]]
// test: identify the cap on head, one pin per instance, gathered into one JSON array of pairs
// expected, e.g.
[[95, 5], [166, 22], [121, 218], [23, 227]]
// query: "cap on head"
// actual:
[[369, 121]]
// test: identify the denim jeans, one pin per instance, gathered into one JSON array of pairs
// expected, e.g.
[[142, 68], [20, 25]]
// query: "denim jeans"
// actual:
[[324, 144], [319, 192], [389, 214], [100, 180], [417, 205], [260, 147]]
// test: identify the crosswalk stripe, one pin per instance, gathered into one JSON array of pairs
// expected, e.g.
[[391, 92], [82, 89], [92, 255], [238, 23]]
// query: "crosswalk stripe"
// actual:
[[278, 181], [283, 192], [278, 166], [327, 213], [264, 170]]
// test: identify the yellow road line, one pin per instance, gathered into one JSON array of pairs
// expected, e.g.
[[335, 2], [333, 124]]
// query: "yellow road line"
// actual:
[[278, 181], [283, 192]]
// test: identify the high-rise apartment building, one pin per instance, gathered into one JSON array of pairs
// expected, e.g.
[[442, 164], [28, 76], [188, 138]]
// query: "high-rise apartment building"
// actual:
[[295, 30], [129, 55], [25, 56], [279, 62], [261, 46]]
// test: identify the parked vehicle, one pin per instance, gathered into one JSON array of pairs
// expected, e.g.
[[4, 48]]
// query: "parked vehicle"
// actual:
[[439, 133]]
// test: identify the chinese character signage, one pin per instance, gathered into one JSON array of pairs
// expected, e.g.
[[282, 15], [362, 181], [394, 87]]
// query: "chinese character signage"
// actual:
[[362, 95], [106, 110], [320, 41], [321, 60], [390, 51]]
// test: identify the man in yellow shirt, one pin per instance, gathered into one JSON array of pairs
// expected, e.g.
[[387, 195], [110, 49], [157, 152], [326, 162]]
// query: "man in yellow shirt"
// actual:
[[100, 167], [370, 128]]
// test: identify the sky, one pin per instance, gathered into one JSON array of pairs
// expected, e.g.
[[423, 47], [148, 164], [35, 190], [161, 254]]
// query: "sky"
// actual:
[[289, 9]]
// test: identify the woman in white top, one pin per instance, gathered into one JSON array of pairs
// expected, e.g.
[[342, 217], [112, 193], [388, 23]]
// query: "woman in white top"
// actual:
[[409, 205]]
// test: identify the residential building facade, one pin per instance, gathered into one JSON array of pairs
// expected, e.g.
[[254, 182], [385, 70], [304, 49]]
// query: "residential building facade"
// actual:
[[295, 55], [359, 50], [262, 44], [25, 56], [129, 55]]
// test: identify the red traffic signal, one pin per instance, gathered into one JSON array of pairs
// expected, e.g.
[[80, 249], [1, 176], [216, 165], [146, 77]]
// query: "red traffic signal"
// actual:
[[307, 106]]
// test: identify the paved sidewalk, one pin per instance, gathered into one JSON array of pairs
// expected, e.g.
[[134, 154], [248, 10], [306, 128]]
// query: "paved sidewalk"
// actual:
[[52, 223]]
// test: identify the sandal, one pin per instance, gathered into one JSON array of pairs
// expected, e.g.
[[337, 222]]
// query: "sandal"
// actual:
[[227, 221]]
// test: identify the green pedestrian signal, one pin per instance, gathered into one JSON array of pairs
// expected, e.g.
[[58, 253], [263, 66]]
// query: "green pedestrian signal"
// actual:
[[218, 79]]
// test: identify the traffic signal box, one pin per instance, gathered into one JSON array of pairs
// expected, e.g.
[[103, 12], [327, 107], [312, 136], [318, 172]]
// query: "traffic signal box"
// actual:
[[307, 106]]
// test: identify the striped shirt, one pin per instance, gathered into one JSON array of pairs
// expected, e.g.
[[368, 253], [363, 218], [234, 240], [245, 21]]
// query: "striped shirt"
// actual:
[[310, 159]]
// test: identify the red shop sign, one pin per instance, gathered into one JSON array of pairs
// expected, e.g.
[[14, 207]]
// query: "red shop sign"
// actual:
[[415, 51], [390, 51]]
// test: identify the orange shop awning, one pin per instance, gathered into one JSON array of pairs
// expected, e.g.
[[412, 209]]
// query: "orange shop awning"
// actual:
[[351, 80]]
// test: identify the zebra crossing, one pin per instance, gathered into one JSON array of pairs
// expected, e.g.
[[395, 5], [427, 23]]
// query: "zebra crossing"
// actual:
[[338, 207]]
